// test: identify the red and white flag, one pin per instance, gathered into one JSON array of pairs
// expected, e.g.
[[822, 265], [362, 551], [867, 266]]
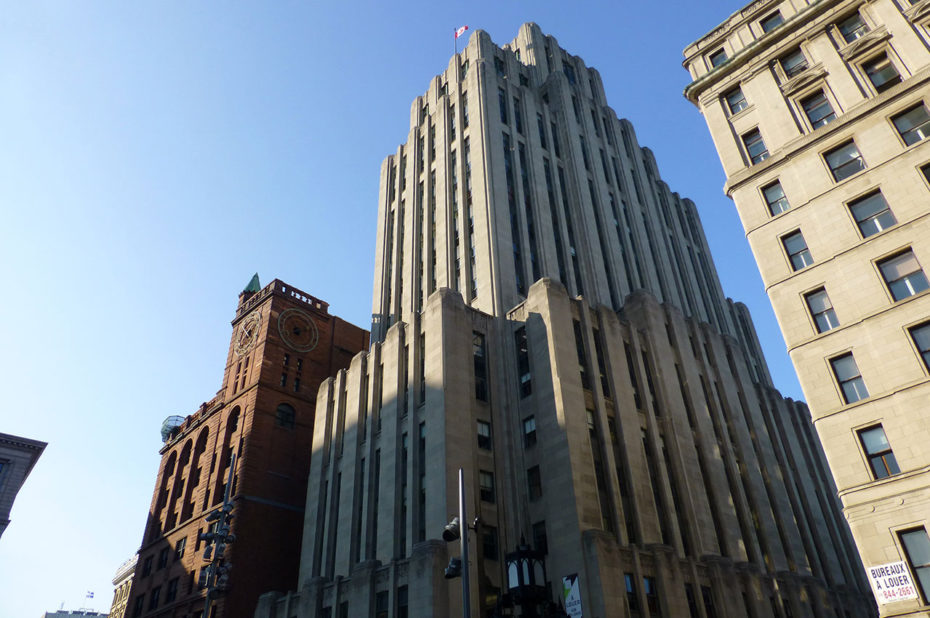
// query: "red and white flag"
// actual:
[[460, 31]]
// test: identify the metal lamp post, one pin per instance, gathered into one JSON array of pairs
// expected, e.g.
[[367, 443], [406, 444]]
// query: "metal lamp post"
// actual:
[[213, 577]]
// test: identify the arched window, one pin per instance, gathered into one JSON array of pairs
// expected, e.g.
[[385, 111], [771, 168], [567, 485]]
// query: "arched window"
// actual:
[[284, 416]]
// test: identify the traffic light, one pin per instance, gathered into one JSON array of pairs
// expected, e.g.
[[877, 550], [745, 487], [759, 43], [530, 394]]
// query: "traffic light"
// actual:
[[454, 569], [452, 531]]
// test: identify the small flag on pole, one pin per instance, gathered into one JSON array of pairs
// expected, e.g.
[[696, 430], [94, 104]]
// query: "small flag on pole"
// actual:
[[460, 31], [90, 595]]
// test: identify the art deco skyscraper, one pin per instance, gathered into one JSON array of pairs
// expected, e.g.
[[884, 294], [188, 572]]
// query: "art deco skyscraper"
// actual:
[[819, 113], [548, 319]]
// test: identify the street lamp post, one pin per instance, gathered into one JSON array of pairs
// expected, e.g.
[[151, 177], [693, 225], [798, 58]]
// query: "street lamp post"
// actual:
[[214, 576], [458, 529]]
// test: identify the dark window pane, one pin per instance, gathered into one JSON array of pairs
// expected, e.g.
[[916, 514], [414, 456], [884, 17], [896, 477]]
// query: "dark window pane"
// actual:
[[845, 161], [872, 214], [718, 57], [903, 275], [852, 28], [913, 125], [794, 63], [755, 146], [818, 109], [775, 198], [736, 102], [771, 22], [847, 375], [797, 251], [822, 310], [921, 336], [881, 73]]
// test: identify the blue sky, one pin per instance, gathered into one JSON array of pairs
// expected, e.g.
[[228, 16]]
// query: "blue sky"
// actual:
[[154, 155]]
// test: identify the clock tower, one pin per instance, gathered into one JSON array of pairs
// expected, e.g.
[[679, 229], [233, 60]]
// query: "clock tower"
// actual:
[[284, 344]]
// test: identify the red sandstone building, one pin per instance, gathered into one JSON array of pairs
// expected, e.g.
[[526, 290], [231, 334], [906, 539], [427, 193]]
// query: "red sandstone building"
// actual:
[[284, 343]]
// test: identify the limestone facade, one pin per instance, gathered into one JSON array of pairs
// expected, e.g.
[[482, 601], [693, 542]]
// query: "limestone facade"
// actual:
[[819, 112], [547, 317]]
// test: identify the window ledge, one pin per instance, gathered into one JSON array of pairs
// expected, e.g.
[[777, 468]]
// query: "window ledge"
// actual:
[[745, 111], [865, 43], [918, 11], [809, 76], [900, 476]]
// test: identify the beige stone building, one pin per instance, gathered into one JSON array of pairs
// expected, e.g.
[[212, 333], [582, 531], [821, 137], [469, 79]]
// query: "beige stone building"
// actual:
[[122, 584], [819, 113], [17, 458], [547, 317]]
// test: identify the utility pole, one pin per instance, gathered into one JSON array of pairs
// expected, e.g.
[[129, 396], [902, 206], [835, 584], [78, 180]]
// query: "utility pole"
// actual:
[[214, 576], [458, 529]]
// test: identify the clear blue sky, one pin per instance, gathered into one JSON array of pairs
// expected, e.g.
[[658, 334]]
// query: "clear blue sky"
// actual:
[[153, 155]]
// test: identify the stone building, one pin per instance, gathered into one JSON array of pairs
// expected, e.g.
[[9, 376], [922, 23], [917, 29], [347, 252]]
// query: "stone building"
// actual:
[[547, 318], [17, 458], [818, 111], [122, 583], [284, 343]]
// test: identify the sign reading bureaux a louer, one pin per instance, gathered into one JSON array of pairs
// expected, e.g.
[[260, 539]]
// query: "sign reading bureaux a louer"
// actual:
[[892, 582]]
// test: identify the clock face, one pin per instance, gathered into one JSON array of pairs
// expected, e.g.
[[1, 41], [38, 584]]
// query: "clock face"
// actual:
[[247, 333], [298, 330]]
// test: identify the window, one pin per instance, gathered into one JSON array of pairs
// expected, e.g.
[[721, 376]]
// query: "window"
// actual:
[[821, 310], [818, 109], [903, 275], [381, 604], [523, 361], [794, 63], [179, 549], [153, 600], [542, 131], [632, 600], [878, 451], [529, 431], [921, 336], [517, 115], [147, 566], [486, 485], [755, 146], [717, 58], [913, 125], [736, 102], [163, 558], [534, 483], [502, 103], [872, 214], [852, 28], [403, 603], [137, 609], [484, 435], [771, 22], [172, 592], [499, 67], [881, 72], [917, 549], [844, 161], [847, 376], [540, 539], [693, 606], [284, 416], [708, 596], [797, 250], [489, 542], [775, 198], [569, 71], [479, 354], [652, 595]]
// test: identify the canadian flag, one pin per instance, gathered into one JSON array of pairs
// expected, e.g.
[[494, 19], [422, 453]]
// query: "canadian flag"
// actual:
[[460, 31]]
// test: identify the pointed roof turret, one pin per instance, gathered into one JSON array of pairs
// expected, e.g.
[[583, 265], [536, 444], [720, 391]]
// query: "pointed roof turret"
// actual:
[[253, 286]]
